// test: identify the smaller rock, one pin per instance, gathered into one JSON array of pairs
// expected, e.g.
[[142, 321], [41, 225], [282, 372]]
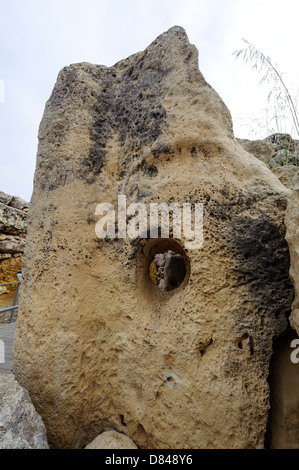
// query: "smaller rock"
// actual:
[[296, 185], [283, 157], [259, 148], [167, 270], [112, 440], [12, 220], [281, 141], [3, 290], [159, 259], [21, 427], [5, 198], [5, 255], [287, 174], [12, 244], [18, 203]]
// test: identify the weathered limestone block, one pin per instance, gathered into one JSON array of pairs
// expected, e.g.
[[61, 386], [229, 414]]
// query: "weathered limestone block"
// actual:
[[5, 256], [11, 244], [262, 150], [287, 174], [292, 237], [98, 343], [283, 141], [278, 151], [5, 198], [18, 203], [12, 220], [111, 440], [20, 425], [13, 229]]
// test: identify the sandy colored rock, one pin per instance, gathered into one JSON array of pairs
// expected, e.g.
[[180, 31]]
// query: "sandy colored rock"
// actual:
[[11, 244], [9, 267], [12, 221], [292, 237], [13, 229], [287, 174], [279, 141], [259, 148], [5, 198], [19, 203], [111, 440], [98, 344], [5, 255], [3, 290], [20, 425]]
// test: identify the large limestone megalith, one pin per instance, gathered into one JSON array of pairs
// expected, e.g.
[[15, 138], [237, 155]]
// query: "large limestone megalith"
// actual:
[[292, 237], [159, 340]]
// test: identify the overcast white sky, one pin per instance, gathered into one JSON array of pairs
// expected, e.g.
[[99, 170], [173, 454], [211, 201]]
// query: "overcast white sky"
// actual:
[[40, 37]]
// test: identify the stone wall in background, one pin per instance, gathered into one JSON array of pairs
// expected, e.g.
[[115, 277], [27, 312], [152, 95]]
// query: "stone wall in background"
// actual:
[[13, 229], [280, 153]]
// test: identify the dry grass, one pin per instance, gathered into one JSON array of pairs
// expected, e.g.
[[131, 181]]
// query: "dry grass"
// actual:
[[282, 104]]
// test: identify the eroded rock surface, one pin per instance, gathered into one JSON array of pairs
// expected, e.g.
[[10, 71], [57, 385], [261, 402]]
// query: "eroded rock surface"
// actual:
[[287, 174], [276, 150], [20, 425], [292, 237], [279, 152], [97, 341], [261, 149]]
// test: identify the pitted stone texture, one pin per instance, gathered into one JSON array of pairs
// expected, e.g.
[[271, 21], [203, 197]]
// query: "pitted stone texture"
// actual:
[[97, 340], [20, 425], [11, 244], [278, 152], [262, 150], [12, 220], [287, 174], [292, 237]]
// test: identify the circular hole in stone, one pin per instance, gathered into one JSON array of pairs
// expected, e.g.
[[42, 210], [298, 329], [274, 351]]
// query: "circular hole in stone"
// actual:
[[171, 379], [167, 269]]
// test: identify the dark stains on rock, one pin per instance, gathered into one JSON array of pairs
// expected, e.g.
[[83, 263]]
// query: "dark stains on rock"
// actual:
[[128, 106], [260, 253], [139, 114], [262, 262], [151, 170], [94, 163], [67, 78], [102, 127]]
